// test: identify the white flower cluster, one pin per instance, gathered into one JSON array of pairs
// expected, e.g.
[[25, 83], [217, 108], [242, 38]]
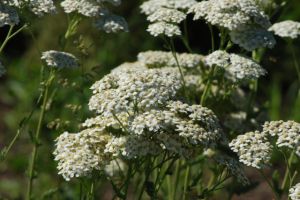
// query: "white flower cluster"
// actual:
[[8, 15], [38, 7], [294, 192], [286, 29], [234, 168], [151, 6], [137, 115], [59, 59], [157, 59], [239, 17], [2, 70], [165, 16], [42, 7], [253, 149], [81, 153], [120, 92], [96, 9], [287, 133], [237, 68]]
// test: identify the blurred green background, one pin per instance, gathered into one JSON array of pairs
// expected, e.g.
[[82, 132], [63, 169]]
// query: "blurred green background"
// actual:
[[100, 52]]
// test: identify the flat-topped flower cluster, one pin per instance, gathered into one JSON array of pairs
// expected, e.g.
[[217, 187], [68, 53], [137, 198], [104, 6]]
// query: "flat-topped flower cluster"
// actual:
[[139, 112], [95, 9]]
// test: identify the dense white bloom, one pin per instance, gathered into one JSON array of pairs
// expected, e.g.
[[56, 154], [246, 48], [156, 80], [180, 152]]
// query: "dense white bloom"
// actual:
[[2, 70], [150, 6], [132, 147], [167, 15], [294, 192], [163, 28], [81, 153], [157, 59], [237, 68], [230, 14], [8, 15], [89, 8], [59, 59], [253, 149], [234, 168], [251, 37], [286, 29], [41, 7], [199, 125], [127, 91], [287, 133], [111, 23]]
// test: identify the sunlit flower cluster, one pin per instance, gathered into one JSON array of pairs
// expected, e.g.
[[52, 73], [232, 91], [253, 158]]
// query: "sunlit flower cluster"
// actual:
[[157, 59], [165, 16], [286, 132], [38, 7], [237, 68], [286, 29], [294, 192], [243, 18], [81, 153], [253, 149], [59, 59]]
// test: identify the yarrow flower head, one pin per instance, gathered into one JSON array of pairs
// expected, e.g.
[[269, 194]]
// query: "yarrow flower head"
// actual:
[[8, 15], [81, 153], [164, 28], [150, 6], [121, 91], [237, 68], [158, 59], [294, 192], [59, 59], [286, 29], [287, 133], [253, 149], [167, 15], [243, 18], [42, 7], [230, 14]]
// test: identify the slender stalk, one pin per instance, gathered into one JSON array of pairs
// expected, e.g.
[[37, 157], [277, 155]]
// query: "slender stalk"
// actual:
[[287, 174], [212, 38], [177, 174], [207, 86], [11, 27], [10, 35], [186, 181], [37, 137]]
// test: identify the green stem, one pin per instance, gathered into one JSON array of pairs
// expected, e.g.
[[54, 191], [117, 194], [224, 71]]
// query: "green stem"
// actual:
[[186, 181], [207, 86], [287, 174], [10, 35], [212, 38], [11, 27], [36, 139], [177, 174]]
